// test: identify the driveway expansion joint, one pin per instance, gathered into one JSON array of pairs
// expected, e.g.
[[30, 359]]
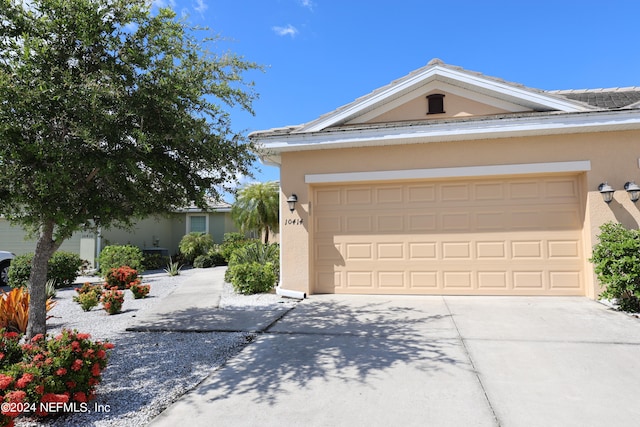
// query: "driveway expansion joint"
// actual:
[[473, 366]]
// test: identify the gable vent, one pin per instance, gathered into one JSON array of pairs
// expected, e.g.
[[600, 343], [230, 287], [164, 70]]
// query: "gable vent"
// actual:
[[435, 103]]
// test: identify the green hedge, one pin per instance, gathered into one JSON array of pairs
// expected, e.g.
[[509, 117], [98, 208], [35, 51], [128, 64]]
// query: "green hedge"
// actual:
[[63, 268], [616, 259], [253, 278], [114, 256]]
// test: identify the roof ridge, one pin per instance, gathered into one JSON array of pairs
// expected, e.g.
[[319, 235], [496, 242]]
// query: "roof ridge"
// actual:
[[597, 90]]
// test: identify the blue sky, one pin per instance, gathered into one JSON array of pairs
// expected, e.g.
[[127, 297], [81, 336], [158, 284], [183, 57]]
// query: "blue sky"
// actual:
[[321, 54]]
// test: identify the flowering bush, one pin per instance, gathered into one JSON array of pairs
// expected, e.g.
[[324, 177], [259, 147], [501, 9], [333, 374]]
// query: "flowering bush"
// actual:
[[64, 369], [112, 300], [88, 296], [138, 290], [121, 277]]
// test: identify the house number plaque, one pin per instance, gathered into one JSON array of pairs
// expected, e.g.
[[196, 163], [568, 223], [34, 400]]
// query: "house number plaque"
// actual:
[[293, 221]]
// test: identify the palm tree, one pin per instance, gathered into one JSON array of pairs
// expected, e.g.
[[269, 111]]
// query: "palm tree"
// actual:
[[256, 208]]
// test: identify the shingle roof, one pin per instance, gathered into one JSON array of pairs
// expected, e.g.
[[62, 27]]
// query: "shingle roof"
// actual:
[[609, 99]]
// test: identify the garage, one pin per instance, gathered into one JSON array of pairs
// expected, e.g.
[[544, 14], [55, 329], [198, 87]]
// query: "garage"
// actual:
[[517, 235]]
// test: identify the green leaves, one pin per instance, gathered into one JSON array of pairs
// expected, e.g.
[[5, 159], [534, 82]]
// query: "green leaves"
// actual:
[[105, 89], [110, 113], [617, 264], [256, 208]]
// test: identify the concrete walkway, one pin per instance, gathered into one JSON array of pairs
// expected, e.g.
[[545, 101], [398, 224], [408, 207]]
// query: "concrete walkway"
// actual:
[[193, 307], [428, 361]]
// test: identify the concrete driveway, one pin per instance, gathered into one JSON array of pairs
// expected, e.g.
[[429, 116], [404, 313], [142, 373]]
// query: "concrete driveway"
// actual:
[[428, 361]]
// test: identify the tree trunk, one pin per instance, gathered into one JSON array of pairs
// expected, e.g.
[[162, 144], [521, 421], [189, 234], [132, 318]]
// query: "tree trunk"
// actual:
[[45, 247]]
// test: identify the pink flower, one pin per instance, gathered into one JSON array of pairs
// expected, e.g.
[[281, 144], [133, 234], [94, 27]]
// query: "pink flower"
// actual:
[[61, 371]]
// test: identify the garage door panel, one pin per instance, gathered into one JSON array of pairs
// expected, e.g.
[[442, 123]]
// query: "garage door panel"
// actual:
[[481, 237]]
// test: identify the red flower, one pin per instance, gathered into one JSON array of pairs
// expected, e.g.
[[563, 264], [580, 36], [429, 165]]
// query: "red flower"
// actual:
[[83, 336], [48, 361], [10, 335], [1, 355], [95, 370], [79, 396], [5, 380], [75, 346], [37, 338], [101, 354], [24, 380], [108, 345], [93, 381], [40, 389], [52, 397], [77, 365], [70, 384], [16, 396], [61, 371]]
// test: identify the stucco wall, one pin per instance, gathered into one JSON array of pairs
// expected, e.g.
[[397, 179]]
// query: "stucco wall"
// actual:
[[613, 156]]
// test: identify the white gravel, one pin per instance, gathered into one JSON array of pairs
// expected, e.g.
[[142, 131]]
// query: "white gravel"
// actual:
[[147, 371]]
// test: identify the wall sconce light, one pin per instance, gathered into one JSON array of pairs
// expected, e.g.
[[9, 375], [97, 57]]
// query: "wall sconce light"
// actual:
[[292, 200], [633, 190], [607, 192]]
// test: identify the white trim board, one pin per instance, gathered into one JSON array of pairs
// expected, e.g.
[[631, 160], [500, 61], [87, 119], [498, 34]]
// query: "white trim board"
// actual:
[[456, 172]]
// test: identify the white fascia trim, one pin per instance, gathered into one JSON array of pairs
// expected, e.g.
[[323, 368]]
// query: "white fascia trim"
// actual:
[[459, 77], [444, 87], [456, 172], [463, 131]]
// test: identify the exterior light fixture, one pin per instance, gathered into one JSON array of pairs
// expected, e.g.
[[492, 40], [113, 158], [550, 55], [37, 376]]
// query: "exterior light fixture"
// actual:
[[607, 192], [292, 200], [633, 190]]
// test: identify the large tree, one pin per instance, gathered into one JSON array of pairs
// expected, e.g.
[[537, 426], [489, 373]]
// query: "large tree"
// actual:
[[109, 112], [256, 208]]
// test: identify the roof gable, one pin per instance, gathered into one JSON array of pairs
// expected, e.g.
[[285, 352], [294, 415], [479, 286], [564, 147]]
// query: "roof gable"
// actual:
[[497, 96]]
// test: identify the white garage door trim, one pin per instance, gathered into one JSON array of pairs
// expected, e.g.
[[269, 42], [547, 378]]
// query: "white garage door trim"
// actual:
[[457, 172]]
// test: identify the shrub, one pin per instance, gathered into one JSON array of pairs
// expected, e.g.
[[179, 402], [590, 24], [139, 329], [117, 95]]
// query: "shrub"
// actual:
[[20, 270], [195, 244], [63, 268], [231, 242], [121, 277], [216, 255], [63, 369], [112, 300], [617, 264], [14, 309], [154, 261], [255, 251], [203, 261], [88, 296], [253, 278], [114, 256], [139, 291]]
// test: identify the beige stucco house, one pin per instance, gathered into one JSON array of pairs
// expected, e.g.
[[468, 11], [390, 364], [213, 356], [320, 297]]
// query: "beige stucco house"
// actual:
[[448, 181], [162, 233]]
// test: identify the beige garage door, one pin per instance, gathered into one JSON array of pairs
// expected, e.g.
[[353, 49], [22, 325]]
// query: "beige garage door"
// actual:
[[488, 236]]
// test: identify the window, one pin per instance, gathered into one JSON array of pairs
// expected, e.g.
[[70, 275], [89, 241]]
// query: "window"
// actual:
[[197, 223], [435, 103]]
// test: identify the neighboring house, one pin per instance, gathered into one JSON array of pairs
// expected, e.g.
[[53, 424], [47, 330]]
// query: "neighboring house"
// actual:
[[151, 233], [448, 181]]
